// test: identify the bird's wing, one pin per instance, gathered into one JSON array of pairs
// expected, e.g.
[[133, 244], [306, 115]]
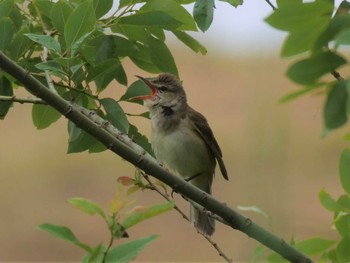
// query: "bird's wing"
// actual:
[[202, 128]]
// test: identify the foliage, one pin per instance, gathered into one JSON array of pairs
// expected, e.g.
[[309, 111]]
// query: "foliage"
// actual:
[[318, 31], [82, 44], [117, 221], [327, 250]]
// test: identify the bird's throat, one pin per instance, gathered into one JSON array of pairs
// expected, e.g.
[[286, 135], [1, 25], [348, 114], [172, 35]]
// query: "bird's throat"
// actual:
[[167, 111]]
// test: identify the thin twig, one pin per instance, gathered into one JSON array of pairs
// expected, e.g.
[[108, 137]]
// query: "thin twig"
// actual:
[[270, 4], [164, 195], [22, 100], [337, 75], [167, 197], [111, 240]]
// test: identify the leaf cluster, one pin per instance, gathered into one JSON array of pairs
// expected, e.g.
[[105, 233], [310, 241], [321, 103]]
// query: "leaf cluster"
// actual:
[[317, 31], [117, 221], [80, 47]]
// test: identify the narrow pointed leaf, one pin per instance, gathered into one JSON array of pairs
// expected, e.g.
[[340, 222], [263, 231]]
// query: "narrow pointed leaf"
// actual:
[[87, 206], [115, 114], [59, 15], [190, 42], [335, 114], [46, 41], [203, 13], [161, 56], [64, 233], [80, 22], [309, 70], [344, 170], [147, 213], [44, 115], [7, 30], [128, 251], [173, 9]]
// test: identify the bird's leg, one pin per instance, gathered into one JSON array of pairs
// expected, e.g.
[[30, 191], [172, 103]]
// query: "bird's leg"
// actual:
[[188, 179]]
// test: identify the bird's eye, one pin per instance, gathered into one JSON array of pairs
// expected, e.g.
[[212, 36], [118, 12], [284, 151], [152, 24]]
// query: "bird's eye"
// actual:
[[162, 89]]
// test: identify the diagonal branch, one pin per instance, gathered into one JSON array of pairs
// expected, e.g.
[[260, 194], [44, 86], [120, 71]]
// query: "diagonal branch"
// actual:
[[137, 156]]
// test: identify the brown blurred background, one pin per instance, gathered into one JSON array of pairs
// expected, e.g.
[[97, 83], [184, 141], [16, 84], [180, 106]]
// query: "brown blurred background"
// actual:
[[274, 153]]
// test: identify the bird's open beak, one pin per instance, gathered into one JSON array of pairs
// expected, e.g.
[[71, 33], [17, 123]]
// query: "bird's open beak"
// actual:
[[151, 86]]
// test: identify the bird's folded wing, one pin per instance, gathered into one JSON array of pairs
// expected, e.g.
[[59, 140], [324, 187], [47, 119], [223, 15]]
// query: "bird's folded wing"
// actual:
[[201, 125]]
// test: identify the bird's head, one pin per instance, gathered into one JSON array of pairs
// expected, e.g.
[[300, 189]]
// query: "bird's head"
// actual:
[[166, 91]]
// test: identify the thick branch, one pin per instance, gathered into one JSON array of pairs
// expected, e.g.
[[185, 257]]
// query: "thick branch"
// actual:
[[149, 165]]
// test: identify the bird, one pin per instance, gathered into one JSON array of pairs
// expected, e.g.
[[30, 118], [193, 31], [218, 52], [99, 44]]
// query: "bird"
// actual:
[[182, 140]]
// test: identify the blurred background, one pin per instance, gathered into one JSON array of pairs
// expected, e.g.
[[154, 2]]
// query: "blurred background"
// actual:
[[274, 154]]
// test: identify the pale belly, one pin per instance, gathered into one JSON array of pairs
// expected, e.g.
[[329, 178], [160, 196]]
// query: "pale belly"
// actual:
[[184, 152]]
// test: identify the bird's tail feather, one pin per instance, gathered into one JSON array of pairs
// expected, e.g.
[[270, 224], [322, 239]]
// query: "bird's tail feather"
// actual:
[[202, 221]]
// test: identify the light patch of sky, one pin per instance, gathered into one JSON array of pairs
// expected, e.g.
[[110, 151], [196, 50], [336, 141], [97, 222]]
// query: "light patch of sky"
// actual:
[[241, 29]]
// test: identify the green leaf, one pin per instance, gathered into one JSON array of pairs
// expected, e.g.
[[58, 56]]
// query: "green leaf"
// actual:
[[309, 70], [102, 7], [336, 26], [44, 115], [6, 7], [79, 140], [64, 233], [46, 41], [87, 206], [123, 47], [335, 108], [343, 249], [77, 44], [140, 139], [7, 30], [128, 251], [190, 42], [147, 213], [95, 255], [151, 19], [132, 32], [203, 13], [296, 94], [19, 43], [343, 38], [315, 246], [5, 90], [80, 22], [329, 203], [161, 56], [173, 9], [115, 114], [16, 18], [304, 21], [296, 16], [299, 42], [234, 3], [342, 219], [138, 88], [53, 67], [104, 72], [59, 15], [143, 59], [344, 170]]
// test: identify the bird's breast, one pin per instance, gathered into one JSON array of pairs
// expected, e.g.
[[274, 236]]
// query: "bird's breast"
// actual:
[[182, 149]]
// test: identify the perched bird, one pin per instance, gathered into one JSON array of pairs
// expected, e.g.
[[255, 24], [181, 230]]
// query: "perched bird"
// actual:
[[183, 140]]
